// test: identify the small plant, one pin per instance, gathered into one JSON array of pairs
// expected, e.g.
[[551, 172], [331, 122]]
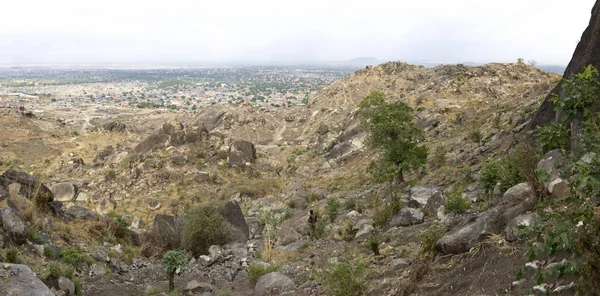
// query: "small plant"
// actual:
[[385, 212], [171, 261], [34, 236], [332, 208], [255, 271], [455, 203], [344, 279], [12, 255], [49, 252], [78, 287], [53, 272], [70, 273], [320, 229], [373, 245], [74, 256], [350, 204], [476, 136], [152, 291], [204, 227], [429, 238], [110, 175], [552, 136]]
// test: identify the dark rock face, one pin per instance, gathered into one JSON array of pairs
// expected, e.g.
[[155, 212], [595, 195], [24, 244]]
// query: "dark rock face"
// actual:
[[586, 53], [31, 187], [156, 140], [241, 152], [101, 157], [165, 231], [82, 213], [115, 127], [274, 283], [13, 225], [232, 212]]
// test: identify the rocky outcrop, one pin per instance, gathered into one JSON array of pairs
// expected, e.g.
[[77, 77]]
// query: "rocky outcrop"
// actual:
[[462, 238], [274, 284], [30, 186], [241, 152], [18, 279], [165, 231], [586, 53], [114, 126], [407, 217]]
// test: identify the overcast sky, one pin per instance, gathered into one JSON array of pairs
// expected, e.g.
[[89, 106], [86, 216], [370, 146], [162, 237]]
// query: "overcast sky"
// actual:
[[155, 32]]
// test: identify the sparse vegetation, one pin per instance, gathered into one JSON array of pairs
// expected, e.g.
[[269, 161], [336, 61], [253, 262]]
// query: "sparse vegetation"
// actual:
[[476, 136], [152, 291], [110, 175], [257, 270], [12, 255], [74, 256], [373, 245], [344, 279], [455, 203], [204, 227], [332, 208], [53, 272], [429, 238]]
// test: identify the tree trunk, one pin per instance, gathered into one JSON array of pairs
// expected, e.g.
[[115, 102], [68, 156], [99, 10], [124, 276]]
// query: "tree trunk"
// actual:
[[171, 276]]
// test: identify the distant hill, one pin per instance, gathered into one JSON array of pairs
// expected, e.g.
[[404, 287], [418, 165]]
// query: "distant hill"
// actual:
[[553, 69]]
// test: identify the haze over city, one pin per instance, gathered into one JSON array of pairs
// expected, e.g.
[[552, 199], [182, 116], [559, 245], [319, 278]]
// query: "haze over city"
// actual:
[[186, 32]]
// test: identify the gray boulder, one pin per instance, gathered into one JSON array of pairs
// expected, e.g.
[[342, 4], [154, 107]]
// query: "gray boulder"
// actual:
[[517, 194], [232, 212], [559, 188], [428, 197], [245, 152], [82, 213], [19, 280], [13, 224], [196, 287], [462, 238], [272, 284], [407, 217], [551, 162], [364, 230], [165, 231], [63, 192], [512, 231], [67, 286]]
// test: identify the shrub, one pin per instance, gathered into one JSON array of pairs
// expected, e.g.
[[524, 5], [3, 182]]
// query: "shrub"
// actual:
[[74, 256], [49, 252], [552, 136], [350, 204], [12, 255], [78, 287], [429, 238], [171, 261], [34, 236], [110, 175], [204, 227], [385, 212], [53, 272], [456, 203], [476, 136], [344, 279], [320, 229], [70, 273], [257, 270], [332, 208], [439, 156], [373, 245]]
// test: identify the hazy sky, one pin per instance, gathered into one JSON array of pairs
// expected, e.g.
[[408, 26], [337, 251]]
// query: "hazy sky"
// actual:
[[154, 32]]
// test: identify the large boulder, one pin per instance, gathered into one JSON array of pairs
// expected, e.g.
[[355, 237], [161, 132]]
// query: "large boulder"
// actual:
[[241, 152], [232, 212], [428, 197], [519, 193], [13, 224], [114, 126], [31, 187], [586, 53], [18, 279], [407, 217], [165, 231], [65, 191], [462, 238], [82, 213], [272, 284]]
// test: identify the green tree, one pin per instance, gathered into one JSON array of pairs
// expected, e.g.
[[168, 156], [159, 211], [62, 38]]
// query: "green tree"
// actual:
[[393, 135], [171, 261]]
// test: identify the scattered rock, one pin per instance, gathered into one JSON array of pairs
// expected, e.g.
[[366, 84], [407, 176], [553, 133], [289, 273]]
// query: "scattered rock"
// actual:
[[559, 188], [31, 187], [407, 217], [78, 212], [364, 230], [64, 192], [196, 287], [517, 194], [114, 126], [428, 197], [67, 286], [512, 228], [154, 204], [13, 224], [232, 212]]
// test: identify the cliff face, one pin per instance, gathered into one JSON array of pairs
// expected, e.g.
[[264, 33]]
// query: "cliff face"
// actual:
[[586, 53]]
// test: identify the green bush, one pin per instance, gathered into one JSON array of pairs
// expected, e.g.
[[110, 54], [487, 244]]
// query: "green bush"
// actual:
[[78, 287], [505, 172], [455, 203], [429, 237], [373, 245], [385, 212], [476, 136], [438, 158], [49, 252], [74, 256], [171, 261], [257, 270], [53, 272], [110, 175], [152, 291], [552, 136], [204, 227], [12, 255], [344, 279], [332, 207]]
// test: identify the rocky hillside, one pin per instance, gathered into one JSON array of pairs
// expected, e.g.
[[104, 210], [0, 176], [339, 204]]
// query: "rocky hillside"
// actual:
[[92, 198]]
